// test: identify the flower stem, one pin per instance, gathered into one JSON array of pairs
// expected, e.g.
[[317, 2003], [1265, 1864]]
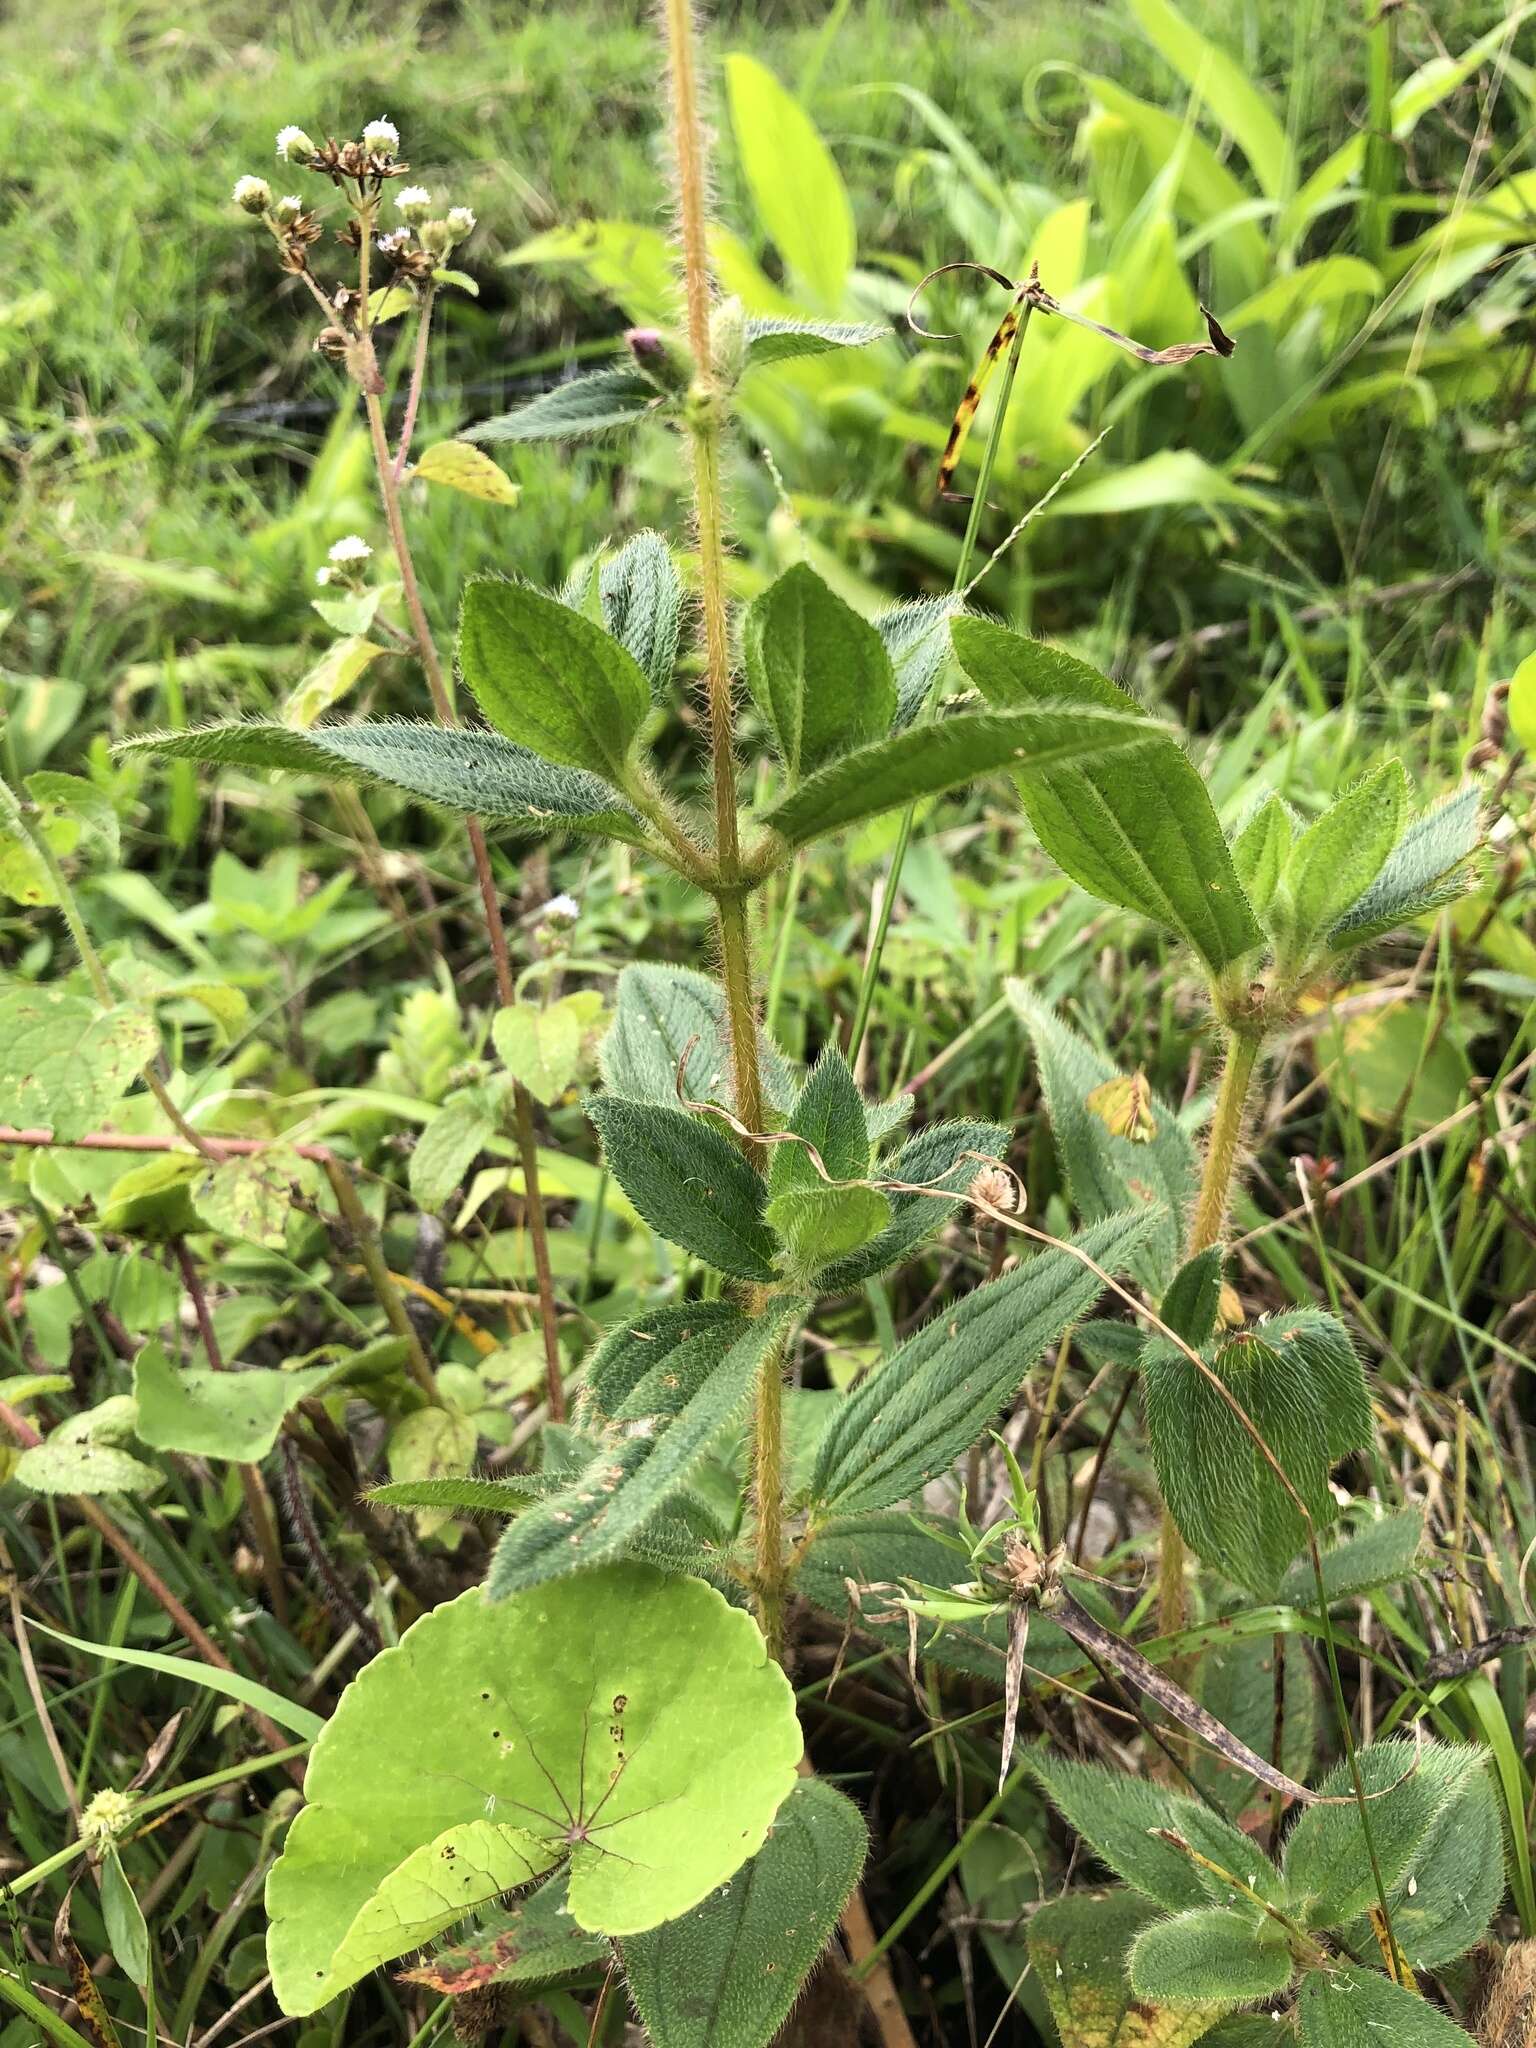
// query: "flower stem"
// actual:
[[962, 576]]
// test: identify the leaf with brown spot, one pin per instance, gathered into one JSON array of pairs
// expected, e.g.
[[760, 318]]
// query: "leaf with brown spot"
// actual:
[[1078, 1945], [536, 1941]]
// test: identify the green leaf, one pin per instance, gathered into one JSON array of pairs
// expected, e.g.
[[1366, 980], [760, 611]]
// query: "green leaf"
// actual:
[[690, 1184], [829, 1116], [63, 1465], [1078, 1944], [1106, 1173], [229, 1684], [819, 1225], [1431, 865], [1120, 1817], [127, 1933], [659, 1433], [455, 1496], [1139, 831], [648, 1696], [542, 1048], [447, 1148], [820, 673], [534, 1942], [1409, 1785], [331, 679], [946, 1157], [74, 816], [65, 1062], [431, 1444], [642, 600], [1210, 1956], [1353, 2008], [233, 1414], [1443, 1902], [629, 1352], [459, 466], [1298, 1380], [669, 1032], [549, 679], [926, 760], [471, 772], [1383, 1553], [249, 1197], [937, 1392], [1260, 851], [727, 1974], [1237, 1685], [916, 637], [1190, 1305], [796, 189], [1225, 89], [778, 340], [574, 411], [1338, 857]]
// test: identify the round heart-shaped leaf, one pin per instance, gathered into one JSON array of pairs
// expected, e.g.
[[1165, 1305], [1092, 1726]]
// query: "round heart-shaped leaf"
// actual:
[[629, 1725]]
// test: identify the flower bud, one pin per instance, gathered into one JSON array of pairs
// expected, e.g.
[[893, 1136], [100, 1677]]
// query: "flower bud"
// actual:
[[461, 223], [728, 339], [252, 195], [382, 137], [436, 237], [660, 358], [294, 146], [414, 203], [286, 210]]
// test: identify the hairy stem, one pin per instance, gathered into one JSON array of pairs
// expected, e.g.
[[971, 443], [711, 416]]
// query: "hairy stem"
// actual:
[[442, 705]]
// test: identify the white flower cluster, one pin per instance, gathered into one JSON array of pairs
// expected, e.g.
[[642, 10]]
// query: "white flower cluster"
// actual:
[[252, 195], [347, 557], [294, 146], [382, 137]]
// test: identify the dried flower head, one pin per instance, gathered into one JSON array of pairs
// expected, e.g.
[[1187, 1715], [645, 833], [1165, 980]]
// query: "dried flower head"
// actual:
[[351, 548], [382, 137], [414, 202], [995, 1188], [294, 146], [252, 195]]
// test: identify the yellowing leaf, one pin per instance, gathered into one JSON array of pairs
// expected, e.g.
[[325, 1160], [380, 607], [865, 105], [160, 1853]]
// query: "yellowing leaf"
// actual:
[[388, 303], [1124, 1107], [467, 469], [330, 679], [1522, 704]]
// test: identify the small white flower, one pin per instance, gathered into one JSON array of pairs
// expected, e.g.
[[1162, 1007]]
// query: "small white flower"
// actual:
[[381, 136], [351, 548], [253, 194], [287, 209], [561, 910], [396, 240], [461, 222], [322, 577], [414, 201], [294, 146]]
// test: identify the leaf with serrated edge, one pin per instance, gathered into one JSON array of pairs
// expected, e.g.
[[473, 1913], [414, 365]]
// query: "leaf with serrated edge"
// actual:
[[573, 411], [1078, 1946], [652, 1695], [1210, 1956], [726, 1974], [641, 595], [1353, 2008], [820, 673], [690, 1183], [65, 1062], [778, 340], [668, 1038]]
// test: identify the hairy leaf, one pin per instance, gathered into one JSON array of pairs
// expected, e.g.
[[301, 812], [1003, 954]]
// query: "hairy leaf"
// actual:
[[1141, 832], [926, 760], [1189, 1307], [691, 1185], [1078, 1945], [630, 1351], [936, 1394], [462, 770], [1383, 1553], [775, 339], [1341, 855], [1210, 1956], [456, 1496], [1106, 1173], [946, 1157], [642, 599], [668, 1030], [1260, 851], [829, 1115], [1353, 2008], [1429, 866], [575, 410], [726, 1974], [535, 1941], [549, 679], [1442, 1903], [820, 673], [648, 1697], [1298, 1380], [916, 637]]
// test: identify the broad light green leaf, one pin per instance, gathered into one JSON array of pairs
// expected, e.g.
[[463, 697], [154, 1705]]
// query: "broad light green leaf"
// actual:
[[658, 1434], [669, 1034], [463, 770], [459, 466], [1210, 1956], [816, 1220], [925, 760], [1107, 1174], [64, 1465], [574, 411], [1442, 1903], [249, 1197], [945, 1157], [541, 1047], [1298, 1380], [1173, 476], [936, 1394], [691, 1185], [1431, 865], [1078, 1945], [448, 1146], [331, 679], [797, 191], [642, 599], [777, 340], [550, 680], [65, 1062], [727, 1974], [127, 1933], [1237, 1685], [916, 638], [1353, 2008], [648, 1698], [1383, 1553], [228, 1684], [1327, 1869], [1260, 852], [232, 1414], [1119, 1817], [74, 816], [820, 673], [535, 1941], [1338, 857], [1141, 831], [1225, 89]]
